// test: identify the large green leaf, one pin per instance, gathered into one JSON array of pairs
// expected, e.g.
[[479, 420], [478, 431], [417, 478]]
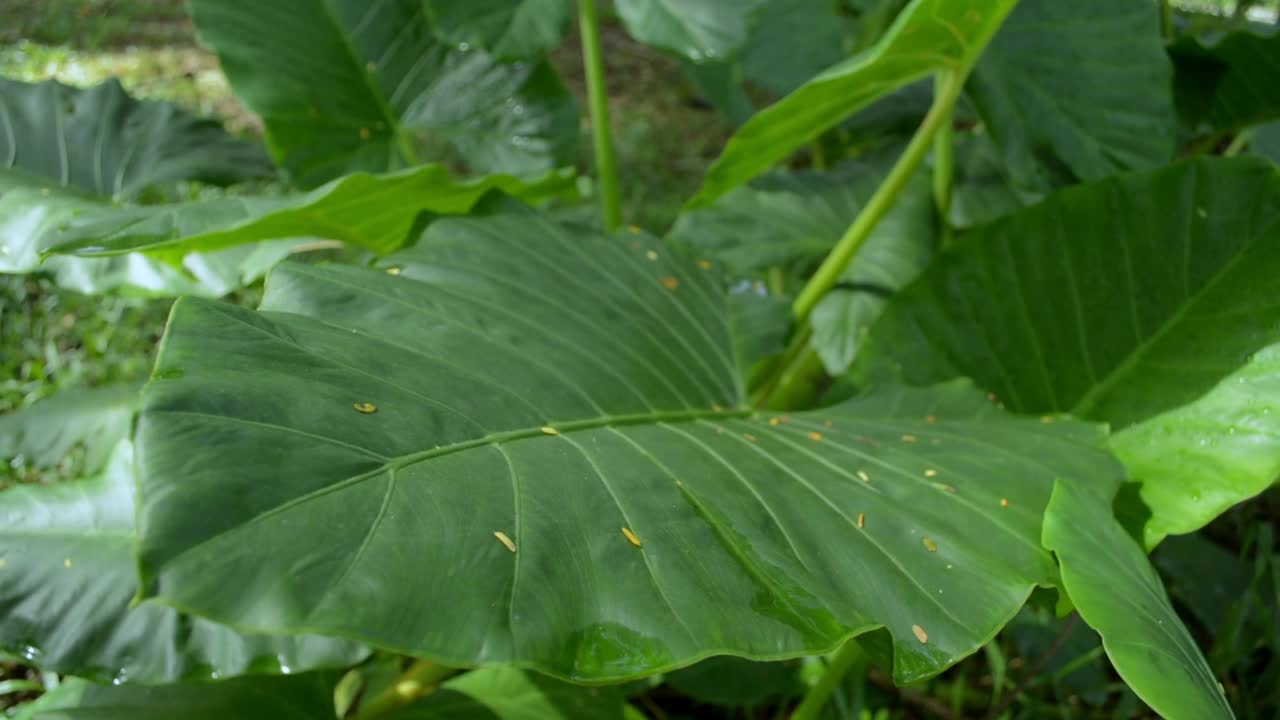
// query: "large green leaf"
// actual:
[[699, 30], [929, 35], [308, 696], [68, 574], [1112, 584], [1121, 301], [1077, 91], [102, 141], [95, 418], [1227, 83], [349, 85], [377, 430], [509, 29], [376, 212]]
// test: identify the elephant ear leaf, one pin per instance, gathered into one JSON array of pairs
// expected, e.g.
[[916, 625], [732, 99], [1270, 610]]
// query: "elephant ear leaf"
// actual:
[[102, 142], [556, 420]]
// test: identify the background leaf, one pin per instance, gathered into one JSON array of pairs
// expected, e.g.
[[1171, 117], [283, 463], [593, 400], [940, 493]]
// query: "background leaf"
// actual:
[[505, 693], [1226, 82], [1120, 301], [66, 557], [95, 418], [102, 141], [927, 36], [699, 30], [1119, 594], [507, 29], [496, 328], [1077, 91], [348, 86]]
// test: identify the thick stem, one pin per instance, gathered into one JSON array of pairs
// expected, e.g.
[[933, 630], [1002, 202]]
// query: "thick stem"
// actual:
[[1238, 143], [944, 169], [598, 99], [421, 677], [829, 273], [845, 658]]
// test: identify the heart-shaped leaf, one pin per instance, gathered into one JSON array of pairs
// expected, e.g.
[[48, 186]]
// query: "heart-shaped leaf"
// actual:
[[349, 85], [522, 445], [1120, 301], [67, 579]]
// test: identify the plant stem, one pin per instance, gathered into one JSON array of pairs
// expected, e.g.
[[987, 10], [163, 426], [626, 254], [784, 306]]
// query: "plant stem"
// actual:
[[829, 273], [1166, 19], [944, 167], [837, 666], [421, 677], [1238, 143], [598, 99]]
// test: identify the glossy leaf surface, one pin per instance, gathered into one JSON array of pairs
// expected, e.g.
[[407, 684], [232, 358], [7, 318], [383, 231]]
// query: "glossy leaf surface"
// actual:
[[348, 85], [66, 561], [1121, 301], [102, 141], [577, 394], [1115, 589], [1077, 91], [928, 35]]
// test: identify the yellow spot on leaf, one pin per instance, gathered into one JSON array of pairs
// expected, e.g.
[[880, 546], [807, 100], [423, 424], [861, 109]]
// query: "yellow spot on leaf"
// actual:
[[365, 407], [364, 133], [67, 563], [716, 408], [548, 430], [863, 476], [826, 423], [634, 230], [408, 689], [815, 436], [786, 419], [393, 271], [930, 473], [749, 437], [669, 283], [908, 438], [862, 520], [651, 255], [3, 563], [774, 421], [502, 538], [931, 419], [1004, 502], [945, 488], [704, 264], [631, 537], [1048, 419], [920, 634], [929, 545]]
